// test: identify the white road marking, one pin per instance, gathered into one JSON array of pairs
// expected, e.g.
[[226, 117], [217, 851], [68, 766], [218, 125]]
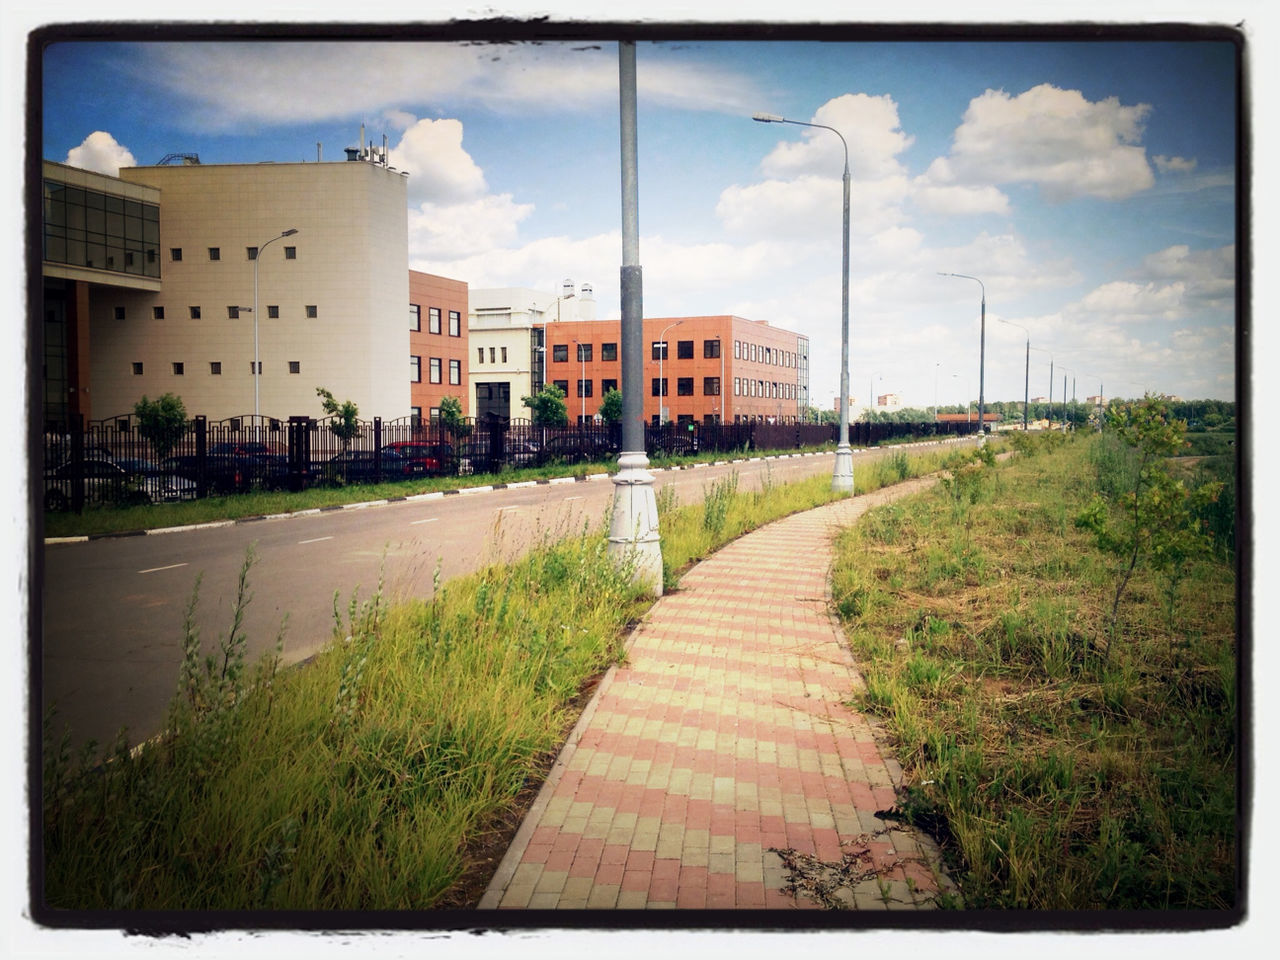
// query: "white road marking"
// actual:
[[172, 566], [567, 499], [316, 540], [414, 523]]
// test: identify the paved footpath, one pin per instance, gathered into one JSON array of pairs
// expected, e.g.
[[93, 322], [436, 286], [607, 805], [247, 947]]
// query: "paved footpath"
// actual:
[[719, 767]]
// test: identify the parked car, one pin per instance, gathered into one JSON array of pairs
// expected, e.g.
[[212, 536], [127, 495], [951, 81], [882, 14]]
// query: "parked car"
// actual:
[[362, 466], [435, 458], [110, 481], [579, 447], [222, 475]]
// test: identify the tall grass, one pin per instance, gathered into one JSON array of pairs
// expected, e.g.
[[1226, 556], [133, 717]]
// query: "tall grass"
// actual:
[[1057, 780]]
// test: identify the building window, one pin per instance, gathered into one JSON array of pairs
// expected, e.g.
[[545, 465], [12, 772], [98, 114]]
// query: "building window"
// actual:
[[215, 253], [493, 354], [607, 385], [215, 368], [251, 365], [711, 386], [415, 369], [684, 349], [562, 386], [273, 311], [179, 369], [433, 370], [737, 349], [609, 352], [291, 253], [137, 368], [710, 349], [584, 388], [504, 354], [312, 311], [251, 253], [455, 372], [416, 413], [455, 323], [157, 313], [584, 354], [659, 350], [175, 254], [479, 354], [415, 317], [659, 387], [560, 353], [433, 319], [684, 386], [233, 313], [118, 312], [195, 313], [295, 366]]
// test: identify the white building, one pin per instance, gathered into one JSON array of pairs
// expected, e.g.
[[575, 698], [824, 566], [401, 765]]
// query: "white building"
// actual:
[[506, 326]]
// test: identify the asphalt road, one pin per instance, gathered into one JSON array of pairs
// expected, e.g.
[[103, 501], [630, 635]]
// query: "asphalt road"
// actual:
[[113, 609]]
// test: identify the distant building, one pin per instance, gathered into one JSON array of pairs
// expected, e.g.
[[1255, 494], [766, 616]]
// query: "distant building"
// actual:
[[438, 344], [707, 369]]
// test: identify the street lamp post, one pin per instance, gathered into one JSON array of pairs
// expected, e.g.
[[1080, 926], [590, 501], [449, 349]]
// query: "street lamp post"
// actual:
[[1026, 385], [842, 475], [1065, 408], [662, 383], [871, 394], [257, 363], [582, 383], [982, 351]]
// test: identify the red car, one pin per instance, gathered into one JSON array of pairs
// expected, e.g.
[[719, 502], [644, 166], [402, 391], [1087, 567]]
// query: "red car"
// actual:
[[435, 458]]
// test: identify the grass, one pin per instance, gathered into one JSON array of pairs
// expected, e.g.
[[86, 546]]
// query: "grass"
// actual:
[[365, 779], [1056, 779]]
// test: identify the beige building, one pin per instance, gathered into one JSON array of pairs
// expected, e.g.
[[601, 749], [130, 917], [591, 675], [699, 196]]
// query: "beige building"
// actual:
[[330, 297]]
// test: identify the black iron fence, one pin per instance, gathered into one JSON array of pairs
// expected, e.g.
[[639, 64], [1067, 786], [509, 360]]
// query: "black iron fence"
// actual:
[[111, 460]]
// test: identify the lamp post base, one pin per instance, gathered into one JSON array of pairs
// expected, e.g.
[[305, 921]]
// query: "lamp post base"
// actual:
[[842, 475], [633, 531]]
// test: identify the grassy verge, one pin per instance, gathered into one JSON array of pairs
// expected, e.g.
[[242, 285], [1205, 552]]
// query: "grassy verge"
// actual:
[[368, 778], [1056, 776]]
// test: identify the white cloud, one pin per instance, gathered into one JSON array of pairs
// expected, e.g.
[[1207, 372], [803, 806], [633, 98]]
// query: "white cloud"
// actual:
[[458, 230], [440, 170], [873, 151], [1123, 302], [1053, 138], [952, 200], [100, 153], [1174, 164]]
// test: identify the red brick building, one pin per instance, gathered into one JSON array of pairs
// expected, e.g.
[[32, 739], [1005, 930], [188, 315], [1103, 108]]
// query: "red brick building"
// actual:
[[709, 369], [438, 341]]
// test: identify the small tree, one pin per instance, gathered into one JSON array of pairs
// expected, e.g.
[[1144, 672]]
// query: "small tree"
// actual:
[[163, 422], [1155, 523], [611, 406], [451, 417], [342, 417], [548, 407]]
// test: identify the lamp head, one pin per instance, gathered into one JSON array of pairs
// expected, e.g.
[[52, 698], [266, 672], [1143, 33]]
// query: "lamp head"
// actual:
[[289, 233], [767, 118]]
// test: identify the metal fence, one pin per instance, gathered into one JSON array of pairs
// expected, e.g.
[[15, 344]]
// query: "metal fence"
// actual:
[[111, 461]]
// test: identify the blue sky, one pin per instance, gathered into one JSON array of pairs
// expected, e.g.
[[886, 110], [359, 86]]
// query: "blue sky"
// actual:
[[1090, 185]]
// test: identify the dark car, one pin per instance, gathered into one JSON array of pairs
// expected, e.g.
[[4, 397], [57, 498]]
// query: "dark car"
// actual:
[[364, 466], [579, 448], [435, 458], [110, 481]]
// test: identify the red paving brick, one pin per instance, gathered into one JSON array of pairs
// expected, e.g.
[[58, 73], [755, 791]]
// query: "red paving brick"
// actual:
[[726, 734]]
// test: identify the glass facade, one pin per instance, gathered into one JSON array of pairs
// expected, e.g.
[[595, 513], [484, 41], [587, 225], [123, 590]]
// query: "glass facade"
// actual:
[[85, 228]]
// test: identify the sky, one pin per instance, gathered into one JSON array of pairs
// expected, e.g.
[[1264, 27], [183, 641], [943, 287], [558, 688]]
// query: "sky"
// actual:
[[1088, 186]]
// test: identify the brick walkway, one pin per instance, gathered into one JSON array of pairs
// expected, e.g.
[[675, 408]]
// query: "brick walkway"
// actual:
[[723, 738]]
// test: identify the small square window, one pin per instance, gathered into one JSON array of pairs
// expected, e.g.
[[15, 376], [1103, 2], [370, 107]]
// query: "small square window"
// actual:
[[584, 353], [215, 253], [137, 368], [608, 352], [195, 312], [684, 349], [291, 253], [119, 313], [233, 313], [584, 388], [659, 387], [175, 254], [251, 253], [607, 385], [295, 366], [562, 386], [560, 353], [659, 351], [710, 349], [215, 368], [684, 386], [179, 369], [157, 313], [251, 367], [312, 311], [273, 311]]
